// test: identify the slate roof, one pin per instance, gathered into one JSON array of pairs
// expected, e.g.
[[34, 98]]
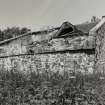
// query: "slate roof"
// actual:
[[86, 27]]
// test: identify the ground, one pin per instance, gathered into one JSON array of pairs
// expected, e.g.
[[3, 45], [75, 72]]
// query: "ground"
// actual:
[[19, 89]]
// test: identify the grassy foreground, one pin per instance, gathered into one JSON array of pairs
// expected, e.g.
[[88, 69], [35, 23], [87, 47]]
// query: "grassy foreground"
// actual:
[[54, 89]]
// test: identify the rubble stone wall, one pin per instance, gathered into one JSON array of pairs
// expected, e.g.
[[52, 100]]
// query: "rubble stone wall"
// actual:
[[100, 49], [51, 63]]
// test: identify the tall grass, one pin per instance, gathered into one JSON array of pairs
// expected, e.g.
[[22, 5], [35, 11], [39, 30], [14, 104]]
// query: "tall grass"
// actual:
[[17, 88]]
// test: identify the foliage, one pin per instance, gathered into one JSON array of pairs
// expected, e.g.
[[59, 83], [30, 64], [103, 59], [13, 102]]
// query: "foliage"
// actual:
[[12, 32], [17, 88]]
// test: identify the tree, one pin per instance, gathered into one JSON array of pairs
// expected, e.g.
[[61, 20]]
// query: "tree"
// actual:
[[24, 30], [1, 35], [12, 32]]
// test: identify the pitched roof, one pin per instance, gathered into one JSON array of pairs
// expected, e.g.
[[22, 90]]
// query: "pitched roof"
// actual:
[[86, 27], [97, 27], [68, 30], [80, 29]]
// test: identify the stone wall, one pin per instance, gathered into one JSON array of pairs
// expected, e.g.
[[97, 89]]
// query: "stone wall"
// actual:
[[62, 44], [65, 62], [62, 54], [18, 46], [100, 49], [21, 45]]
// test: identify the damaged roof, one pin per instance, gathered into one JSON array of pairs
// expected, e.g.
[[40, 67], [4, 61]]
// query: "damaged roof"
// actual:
[[86, 27], [68, 30], [65, 30]]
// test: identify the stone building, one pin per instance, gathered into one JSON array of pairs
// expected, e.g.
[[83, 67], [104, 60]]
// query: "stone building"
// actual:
[[63, 49], [99, 32]]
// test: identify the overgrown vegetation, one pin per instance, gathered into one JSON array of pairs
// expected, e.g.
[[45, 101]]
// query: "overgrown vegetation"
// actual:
[[43, 89]]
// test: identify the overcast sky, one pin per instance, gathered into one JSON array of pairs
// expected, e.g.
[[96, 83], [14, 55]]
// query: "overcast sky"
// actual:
[[41, 13]]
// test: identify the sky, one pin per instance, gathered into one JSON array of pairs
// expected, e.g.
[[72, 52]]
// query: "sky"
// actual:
[[37, 14]]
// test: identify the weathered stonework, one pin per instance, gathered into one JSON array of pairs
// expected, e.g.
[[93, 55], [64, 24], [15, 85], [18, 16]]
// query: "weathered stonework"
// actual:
[[100, 49], [46, 52], [66, 62], [61, 44], [58, 61], [15, 46], [21, 45]]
